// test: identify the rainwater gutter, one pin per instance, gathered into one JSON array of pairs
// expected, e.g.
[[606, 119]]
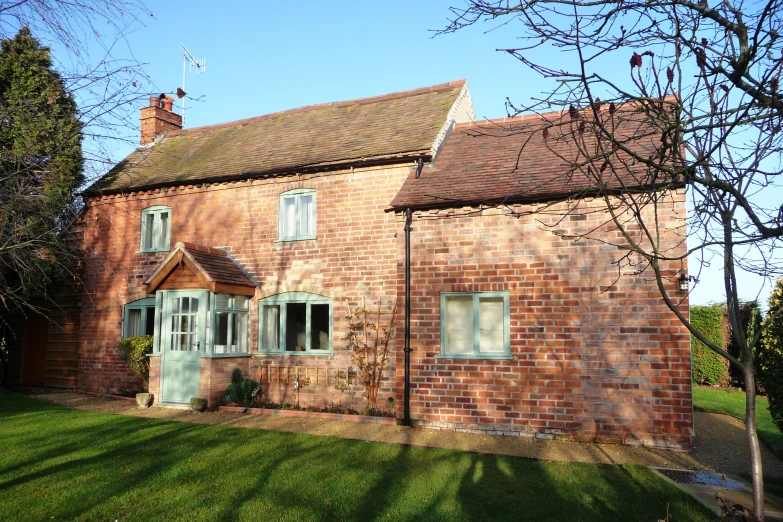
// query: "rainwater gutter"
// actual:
[[407, 350]]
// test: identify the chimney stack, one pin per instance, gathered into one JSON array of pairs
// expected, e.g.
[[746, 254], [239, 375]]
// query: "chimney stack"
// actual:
[[158, 118]]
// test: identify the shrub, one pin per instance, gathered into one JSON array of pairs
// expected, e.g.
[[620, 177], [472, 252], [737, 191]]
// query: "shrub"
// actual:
[[134, 352], [369, 335], [242, 391], [770, 356], [708, 366]]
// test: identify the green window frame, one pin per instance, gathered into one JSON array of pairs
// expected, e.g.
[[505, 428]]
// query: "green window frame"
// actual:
[[296, 215], [470, 325], [295, 323], [229, 321], [139, 318], [156, 229]]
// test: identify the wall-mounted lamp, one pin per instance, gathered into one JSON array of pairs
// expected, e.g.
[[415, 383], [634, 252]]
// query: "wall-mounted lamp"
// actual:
[[684, 279]]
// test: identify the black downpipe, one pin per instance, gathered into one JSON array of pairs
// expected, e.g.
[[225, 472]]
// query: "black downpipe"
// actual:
[[407, 350]]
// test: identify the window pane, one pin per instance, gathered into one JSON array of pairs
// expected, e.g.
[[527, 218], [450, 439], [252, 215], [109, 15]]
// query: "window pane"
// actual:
[[149, 320], [319, 327], [240, 333], [271, 328], [162, 231], [175, 305], [288, 221], [221, 332], [306, 227], [240, 302], [134, 323], [222, 301], [184, 304], [193, 305], [491, 325], [459, 324], [148, 231], [296, 327]]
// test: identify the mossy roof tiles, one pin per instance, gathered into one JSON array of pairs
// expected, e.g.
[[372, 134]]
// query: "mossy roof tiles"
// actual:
[[401, 124]]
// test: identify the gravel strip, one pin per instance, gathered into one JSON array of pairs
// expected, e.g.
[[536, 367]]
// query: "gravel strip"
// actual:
[[720, 442]]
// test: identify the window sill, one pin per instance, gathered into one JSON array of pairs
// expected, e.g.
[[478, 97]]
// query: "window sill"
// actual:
[[296, 354], [478, 357], [156, 354], [153, 251], [224, 355], [294, 239]]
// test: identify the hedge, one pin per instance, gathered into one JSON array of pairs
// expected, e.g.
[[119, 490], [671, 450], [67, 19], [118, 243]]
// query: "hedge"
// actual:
[[769, 357], [708, 367]]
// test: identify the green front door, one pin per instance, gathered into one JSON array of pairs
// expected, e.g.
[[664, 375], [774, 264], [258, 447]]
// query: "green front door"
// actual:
[[182, 342]]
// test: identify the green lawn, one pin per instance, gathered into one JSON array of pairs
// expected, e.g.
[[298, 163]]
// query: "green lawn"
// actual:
[[60, 464], [730, 402]]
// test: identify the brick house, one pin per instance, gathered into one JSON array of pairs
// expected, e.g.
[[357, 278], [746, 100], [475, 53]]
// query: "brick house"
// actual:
[[244, 244]]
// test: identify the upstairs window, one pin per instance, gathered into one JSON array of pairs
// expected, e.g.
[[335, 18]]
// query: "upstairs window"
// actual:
[[139, 318], [297, 323], [474, 325], [297, 215], [230, 324], [155, 229]]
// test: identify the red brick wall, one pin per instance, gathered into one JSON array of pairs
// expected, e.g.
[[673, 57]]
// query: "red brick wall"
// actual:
[[595, 357], [354, 256]]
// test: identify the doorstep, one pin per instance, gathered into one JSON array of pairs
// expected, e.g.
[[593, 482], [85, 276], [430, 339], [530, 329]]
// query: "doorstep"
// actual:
[[703, 485]]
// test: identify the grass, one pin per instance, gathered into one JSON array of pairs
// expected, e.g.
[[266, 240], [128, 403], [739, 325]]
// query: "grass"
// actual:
[[731, 402], [60, 464]]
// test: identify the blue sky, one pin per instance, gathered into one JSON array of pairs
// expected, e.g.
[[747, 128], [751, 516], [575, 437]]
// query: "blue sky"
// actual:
[[264, 57]]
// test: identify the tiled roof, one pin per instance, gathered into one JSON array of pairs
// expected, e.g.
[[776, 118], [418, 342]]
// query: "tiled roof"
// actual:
[[510, 160], [216, 265], [403, 124], [212, 265]]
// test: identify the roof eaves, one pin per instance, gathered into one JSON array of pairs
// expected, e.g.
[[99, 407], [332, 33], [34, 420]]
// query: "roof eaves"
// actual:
[[387, 159], [538, 198]]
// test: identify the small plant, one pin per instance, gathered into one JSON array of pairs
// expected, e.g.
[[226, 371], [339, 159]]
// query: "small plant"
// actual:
[[300, 383], [243, 391], [3, 357], [134, 352], [368, 340]]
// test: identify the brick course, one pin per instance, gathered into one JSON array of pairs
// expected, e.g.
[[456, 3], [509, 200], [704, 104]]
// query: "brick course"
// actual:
[[597, 356], [354, 256]]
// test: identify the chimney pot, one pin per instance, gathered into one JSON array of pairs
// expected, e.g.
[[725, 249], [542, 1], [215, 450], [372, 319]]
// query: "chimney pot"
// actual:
[[154, 101], [167, 103]]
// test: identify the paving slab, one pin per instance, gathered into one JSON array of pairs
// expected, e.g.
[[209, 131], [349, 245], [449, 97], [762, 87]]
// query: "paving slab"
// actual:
[[735, 489]]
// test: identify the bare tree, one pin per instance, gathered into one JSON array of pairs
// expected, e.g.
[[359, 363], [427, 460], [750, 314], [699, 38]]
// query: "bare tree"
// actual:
[[700, 109], [84, 43]]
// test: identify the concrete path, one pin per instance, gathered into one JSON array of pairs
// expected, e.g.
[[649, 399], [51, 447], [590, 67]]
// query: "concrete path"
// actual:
[[720, 443]]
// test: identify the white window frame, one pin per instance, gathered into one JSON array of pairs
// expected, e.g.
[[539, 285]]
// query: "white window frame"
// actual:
[[161, 239], [141, 304], [281, 300], [296, 195], [476, 353]]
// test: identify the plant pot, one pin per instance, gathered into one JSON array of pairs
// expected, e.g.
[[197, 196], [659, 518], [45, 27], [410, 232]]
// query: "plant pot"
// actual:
[[198, 404], [144, 400]]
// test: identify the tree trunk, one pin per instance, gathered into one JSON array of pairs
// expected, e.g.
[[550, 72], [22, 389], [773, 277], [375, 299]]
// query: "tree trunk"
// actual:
[[753, 441]]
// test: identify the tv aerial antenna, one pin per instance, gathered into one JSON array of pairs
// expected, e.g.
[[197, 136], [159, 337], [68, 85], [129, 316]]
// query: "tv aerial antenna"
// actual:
[[197, 66]]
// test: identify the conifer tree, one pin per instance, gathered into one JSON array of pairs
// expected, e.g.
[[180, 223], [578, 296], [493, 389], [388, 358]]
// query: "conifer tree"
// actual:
[[40, 169], [770, 357]]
